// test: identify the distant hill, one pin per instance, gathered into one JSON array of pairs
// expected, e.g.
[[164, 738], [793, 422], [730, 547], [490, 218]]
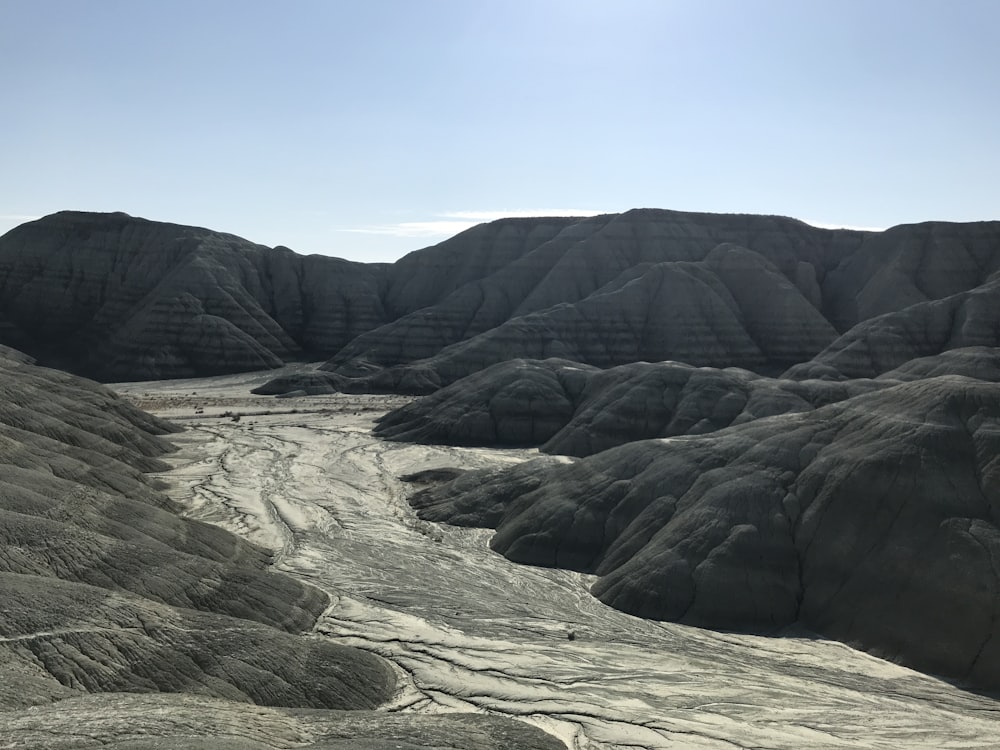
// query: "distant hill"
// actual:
[[122, 298]]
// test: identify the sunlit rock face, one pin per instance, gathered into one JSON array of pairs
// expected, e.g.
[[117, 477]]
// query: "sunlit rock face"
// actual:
[[872, 521]]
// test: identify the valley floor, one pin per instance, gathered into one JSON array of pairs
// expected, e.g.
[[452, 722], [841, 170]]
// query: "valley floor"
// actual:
[[468, 630]]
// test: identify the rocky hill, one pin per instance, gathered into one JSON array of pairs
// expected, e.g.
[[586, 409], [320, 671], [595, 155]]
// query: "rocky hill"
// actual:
[[872, 521], [121, 298], [572, 409], [780, 424], [750, 291], [107, 590]]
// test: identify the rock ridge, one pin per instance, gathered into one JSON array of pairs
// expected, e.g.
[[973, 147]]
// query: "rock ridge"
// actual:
[[123, 298], [871, 520]]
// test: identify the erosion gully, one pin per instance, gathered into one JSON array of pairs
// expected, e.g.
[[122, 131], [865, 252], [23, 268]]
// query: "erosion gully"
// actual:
[[469, 631]]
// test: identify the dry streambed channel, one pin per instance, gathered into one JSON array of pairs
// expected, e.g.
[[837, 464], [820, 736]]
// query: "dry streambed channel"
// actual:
[[469, 631]]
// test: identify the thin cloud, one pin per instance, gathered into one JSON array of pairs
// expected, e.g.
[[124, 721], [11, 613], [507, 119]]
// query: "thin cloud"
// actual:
[[827, 225], [519, 213], [451, 223], [415, 228]]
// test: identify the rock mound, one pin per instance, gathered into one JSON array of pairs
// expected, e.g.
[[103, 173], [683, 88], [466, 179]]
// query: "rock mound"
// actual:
[[578, 410], [872, 521], [967, 320], [121, 298], [107, 591]]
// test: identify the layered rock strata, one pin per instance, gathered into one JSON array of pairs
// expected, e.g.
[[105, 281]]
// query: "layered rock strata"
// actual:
[[124, 298], [872, 521], [124, 624]]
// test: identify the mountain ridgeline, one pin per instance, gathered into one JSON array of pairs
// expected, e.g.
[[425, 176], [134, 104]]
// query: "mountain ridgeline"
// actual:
[[121, 298], [774, 425]]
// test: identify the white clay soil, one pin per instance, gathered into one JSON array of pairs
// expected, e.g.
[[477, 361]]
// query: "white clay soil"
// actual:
[[470, 631]]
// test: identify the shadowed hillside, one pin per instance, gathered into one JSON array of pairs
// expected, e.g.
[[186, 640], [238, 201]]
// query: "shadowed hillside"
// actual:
[[872, 521], [120, 298], [107, 590]]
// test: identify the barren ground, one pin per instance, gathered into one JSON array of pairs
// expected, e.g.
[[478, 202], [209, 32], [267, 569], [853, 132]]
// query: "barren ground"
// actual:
[[470, 631]]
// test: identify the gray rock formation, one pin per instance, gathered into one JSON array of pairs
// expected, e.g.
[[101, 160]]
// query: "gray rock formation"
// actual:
[[910, 264], [518, 402], [122, 298], [979, 362], [106, 590], [593, 256], [733, 308], [966, 320], [632, 287], [174, 722], [577, 410], [872, 521]]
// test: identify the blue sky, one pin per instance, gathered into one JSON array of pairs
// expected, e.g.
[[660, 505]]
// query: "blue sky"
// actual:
[[369, 129]]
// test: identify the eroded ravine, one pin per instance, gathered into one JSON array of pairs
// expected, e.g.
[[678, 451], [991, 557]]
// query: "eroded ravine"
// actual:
[[470, 630]]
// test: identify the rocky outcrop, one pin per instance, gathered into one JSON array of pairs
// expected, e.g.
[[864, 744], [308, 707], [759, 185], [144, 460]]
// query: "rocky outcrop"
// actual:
[[872, 521], [593, 256], [577, 410], [966, 320], [108, 593], [106, 588], [122, 298]]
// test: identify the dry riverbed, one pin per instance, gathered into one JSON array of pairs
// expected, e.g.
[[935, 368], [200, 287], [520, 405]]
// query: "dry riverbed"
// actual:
[[467, 630]]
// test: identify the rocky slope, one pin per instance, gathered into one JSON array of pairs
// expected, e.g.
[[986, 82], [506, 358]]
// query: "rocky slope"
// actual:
[[107, 589], [747, 291], [872, 521], [120, 298], [732, 308], [123, 298], [966, 320], [583, 259], [577, 410]]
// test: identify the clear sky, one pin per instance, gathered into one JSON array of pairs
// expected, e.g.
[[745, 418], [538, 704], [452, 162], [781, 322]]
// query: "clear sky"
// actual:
[[369, 128]]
